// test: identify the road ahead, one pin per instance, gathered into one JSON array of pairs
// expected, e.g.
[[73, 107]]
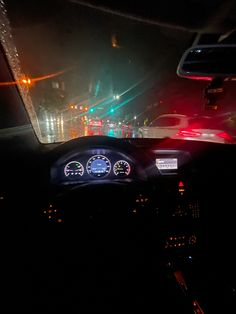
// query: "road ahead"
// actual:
[[63, 127]]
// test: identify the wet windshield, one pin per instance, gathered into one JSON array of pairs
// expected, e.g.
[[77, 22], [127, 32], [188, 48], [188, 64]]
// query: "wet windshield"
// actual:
[[84, 71]]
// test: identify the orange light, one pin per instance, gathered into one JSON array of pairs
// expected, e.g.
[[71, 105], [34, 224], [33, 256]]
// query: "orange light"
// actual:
[[26, 81], [86, 108], [114, 42]]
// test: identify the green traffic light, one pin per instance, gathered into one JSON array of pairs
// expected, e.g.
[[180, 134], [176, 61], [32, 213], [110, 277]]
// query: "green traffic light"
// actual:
[[112, 110], [91, 110]]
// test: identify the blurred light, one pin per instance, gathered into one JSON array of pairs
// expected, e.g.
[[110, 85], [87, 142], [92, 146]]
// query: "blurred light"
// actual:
[[135, 117], [116, 96], [112, 110], [91, 110], [225, 136], [26, 81], [188, 133], [181, 184], [114, 41], [200, 78]]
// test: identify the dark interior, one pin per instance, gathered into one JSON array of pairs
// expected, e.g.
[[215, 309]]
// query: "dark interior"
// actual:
[[157, 241]]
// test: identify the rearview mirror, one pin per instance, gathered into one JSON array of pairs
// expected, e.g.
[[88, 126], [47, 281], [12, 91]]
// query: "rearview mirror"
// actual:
[[208, 61]]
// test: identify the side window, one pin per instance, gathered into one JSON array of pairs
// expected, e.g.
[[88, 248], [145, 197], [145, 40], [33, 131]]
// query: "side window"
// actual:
[[165, 122]]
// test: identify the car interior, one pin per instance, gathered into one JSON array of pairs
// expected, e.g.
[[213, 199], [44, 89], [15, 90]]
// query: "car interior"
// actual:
[[99, 224]]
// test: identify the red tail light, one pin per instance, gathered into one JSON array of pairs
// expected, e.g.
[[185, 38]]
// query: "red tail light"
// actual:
[[225, 136], [188, 133], [200, 78], [191, 133]]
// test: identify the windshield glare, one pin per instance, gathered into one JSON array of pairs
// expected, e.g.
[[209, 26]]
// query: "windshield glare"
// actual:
[[83, 72]]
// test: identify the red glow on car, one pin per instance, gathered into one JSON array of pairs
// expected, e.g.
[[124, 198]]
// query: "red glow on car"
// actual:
[[225, 136], [199, 78], [188, 133]]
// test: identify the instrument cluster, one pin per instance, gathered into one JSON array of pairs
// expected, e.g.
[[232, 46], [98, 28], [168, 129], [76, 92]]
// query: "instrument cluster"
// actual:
[[93, 165], [98, 166]]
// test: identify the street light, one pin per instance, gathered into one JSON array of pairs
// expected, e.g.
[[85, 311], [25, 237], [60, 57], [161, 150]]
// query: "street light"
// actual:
[[26, 81], [72, 106], [116, 97]]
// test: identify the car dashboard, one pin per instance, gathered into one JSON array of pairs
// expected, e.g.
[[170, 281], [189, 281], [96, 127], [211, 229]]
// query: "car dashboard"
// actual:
[[152, 184], [138, 199]]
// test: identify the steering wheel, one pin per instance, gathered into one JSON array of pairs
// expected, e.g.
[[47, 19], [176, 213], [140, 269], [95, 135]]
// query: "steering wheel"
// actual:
[[99, 194]]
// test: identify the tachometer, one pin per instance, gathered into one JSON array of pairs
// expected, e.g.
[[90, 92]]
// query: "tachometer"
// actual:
[[121, 168], [98, 166], [73, 169]]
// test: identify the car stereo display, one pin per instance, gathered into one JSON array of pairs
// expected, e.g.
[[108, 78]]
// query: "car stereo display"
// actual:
[[167, 163]]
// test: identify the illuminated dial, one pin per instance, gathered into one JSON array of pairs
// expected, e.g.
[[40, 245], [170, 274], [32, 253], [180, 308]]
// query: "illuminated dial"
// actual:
[[73, 169], [121, 168], [98, 166]]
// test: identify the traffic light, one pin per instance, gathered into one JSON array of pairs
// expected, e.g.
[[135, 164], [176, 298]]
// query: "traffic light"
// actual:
[[112, 110], [91, 110]]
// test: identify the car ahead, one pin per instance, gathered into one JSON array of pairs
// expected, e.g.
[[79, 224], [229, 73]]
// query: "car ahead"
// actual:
[[110, 124], [166, 125], [100, 224], [96, 123], [177, 126]]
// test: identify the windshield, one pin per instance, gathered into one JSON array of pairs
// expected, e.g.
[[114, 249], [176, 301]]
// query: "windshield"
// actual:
[[86, 71]]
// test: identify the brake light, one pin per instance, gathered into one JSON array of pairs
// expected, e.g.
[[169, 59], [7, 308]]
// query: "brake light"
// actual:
[[199, 78], [188, 133], [225, 136]]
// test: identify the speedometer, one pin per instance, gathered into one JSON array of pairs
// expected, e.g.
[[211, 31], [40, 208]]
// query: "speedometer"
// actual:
[[121, 168], [98, 166], [73, 169]]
